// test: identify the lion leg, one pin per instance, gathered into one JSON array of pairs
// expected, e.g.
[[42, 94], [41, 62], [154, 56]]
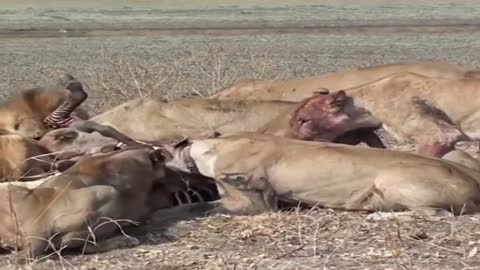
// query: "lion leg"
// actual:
[[246, 194], [426, 189], [369, 198], [239, 195], [107, 131]]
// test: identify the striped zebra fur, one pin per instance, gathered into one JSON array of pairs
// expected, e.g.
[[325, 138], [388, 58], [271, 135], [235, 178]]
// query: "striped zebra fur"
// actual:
[[195, 195], [60, 117]]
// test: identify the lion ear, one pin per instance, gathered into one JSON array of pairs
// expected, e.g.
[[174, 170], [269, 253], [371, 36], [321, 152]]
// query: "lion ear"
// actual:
[[182, 143], [341, 94], [214, 134], [336, 100]]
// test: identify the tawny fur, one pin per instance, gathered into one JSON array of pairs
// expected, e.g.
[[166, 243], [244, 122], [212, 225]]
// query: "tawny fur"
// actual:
[[22, 159], [416, 102], [24, 113], [255, 171], [461, 157], [61, 209], [72, 144], [432, 113], [151, 119], [69, 142], [298, 89]]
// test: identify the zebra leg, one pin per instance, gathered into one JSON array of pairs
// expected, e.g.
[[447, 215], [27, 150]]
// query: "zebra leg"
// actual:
[[61, 116]]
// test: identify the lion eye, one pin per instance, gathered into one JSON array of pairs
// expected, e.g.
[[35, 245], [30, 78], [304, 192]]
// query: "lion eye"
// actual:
[[16, 126]]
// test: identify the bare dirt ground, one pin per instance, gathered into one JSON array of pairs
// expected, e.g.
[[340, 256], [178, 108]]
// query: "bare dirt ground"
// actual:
[[123, 49]]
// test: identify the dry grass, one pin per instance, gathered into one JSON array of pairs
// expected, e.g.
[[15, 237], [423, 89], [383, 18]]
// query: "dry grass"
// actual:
[[300, 239], [199, 72], [306, 239], [330, 239]]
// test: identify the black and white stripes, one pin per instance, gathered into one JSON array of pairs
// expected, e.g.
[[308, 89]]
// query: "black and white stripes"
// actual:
[[60, 117], [195, 195]]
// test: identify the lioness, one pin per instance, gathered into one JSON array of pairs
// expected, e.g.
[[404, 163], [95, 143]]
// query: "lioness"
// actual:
[[421, 109], [95, 196], [22, 157], [255, 171], [24, 113], [432, 113], [320, 117], [298, 89]]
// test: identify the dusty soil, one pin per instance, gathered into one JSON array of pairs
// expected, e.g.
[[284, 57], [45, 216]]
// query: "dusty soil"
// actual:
[[179, 48]]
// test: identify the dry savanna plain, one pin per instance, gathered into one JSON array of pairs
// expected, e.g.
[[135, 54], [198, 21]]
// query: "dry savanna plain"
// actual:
[[124, 49]]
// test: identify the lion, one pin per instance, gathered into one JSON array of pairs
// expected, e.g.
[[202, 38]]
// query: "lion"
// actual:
[[254, 172]]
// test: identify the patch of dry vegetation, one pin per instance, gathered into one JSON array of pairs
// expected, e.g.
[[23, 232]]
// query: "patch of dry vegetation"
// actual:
[[299, 239], [326, 239], [200, 72]]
